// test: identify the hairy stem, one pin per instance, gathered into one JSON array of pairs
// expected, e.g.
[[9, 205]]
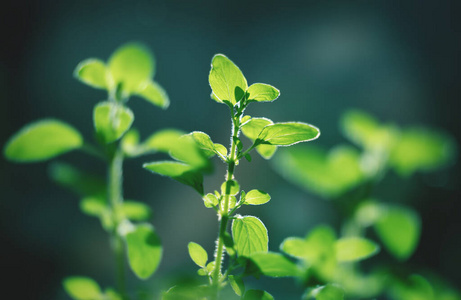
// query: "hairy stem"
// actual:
[[116, 200]]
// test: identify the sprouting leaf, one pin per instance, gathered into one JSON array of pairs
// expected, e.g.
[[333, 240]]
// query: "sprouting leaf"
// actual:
[[257, 197], [93, 206], [163, 140], [275, 265], [262, 92], [198, 254], [221, 151], [226, 80], [111, 120], [287, 134], [326, 292], [155, 94], [76, 180], [237, 285], [252, 128], [230, 187], [257, 295], [421, 149], [136, 211], [42, 140], [92, 72], [178, 171], [131, 66], [328, 174], [82, 288], [355, 249], [144, 250], [250, 235], [399, 229], [210, 200]]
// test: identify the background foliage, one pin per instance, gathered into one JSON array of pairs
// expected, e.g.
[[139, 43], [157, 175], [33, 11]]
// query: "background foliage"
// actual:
[[398, 60]]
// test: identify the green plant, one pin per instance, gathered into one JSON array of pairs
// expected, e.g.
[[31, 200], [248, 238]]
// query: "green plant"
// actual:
[[127, 73], [249, 239], [348, 175]]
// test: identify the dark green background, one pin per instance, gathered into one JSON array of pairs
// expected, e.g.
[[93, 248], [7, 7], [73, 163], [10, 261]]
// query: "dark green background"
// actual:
[[399, 60]]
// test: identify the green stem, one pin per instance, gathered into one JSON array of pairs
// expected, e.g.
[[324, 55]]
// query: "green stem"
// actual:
[[116, 200], [224, 214]]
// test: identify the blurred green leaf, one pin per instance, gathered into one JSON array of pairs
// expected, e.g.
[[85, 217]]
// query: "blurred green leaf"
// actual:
[[327, 174], [178, 171], [233, 185], [131, 66], [155, 94], [355, 249], [262, 92], [237, 285], [111, 120], [197, 254], [287, 134], [187, 150], [144, 250], [326, 292], [250, 235], [226, 80], [42, 140], [421, 149], [92, 72], [257, 197], [111, 294], [93, 206], [82, 288], [399, 229], [257, 295], [162, 140], [359, 127], [130, 143], [275, 265], [136, 211], [415, 287]]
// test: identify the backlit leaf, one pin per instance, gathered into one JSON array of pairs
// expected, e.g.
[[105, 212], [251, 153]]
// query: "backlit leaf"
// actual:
[[257, 197], [262, 92], [237, 285], [355, 249], [155, 94], [144, 250], [252, 128], [162, 140], [250, 235], [226, 80], [82, 288], [287, 134], [42, 140], [210, 200], [92, 72], [198, 254], [111, 120], [136, 211], [275, 265]]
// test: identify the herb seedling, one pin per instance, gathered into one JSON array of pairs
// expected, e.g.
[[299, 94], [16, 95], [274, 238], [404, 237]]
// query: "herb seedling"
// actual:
[[128, 72], [249, 235]]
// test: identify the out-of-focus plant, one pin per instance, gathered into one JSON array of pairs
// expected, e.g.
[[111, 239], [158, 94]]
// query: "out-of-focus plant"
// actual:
[[248, 240], [128, 72], [347, 175]]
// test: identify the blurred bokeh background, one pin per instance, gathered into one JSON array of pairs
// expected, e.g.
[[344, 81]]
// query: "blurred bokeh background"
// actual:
[[398, 60]]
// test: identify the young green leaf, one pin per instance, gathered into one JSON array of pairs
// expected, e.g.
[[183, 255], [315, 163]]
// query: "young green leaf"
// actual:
[[111, 120], [92, 72], [226, 80], [287, 134], [144, 250], [399, 229], [326, 292], [204, 142], [252, 128], [130, 143], [237, 285], [250, 235], [198, 254], [178, 171], [262, 92], [257, 197], [155, 94], [210, 200], [230, 187], [136, 211], [296, 247], [275, 265], [354, 249], [131, 66], [82, 288], [42, 140], [257, 295], [93, 206], [163, 140]]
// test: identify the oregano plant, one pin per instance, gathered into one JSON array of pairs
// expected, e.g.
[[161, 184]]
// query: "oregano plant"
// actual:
[[128, 72], [247, 239]]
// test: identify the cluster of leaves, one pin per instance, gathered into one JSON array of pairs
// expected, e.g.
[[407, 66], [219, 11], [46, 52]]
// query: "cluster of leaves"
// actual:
[[347, 175], [248, 241], [128, 72]]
